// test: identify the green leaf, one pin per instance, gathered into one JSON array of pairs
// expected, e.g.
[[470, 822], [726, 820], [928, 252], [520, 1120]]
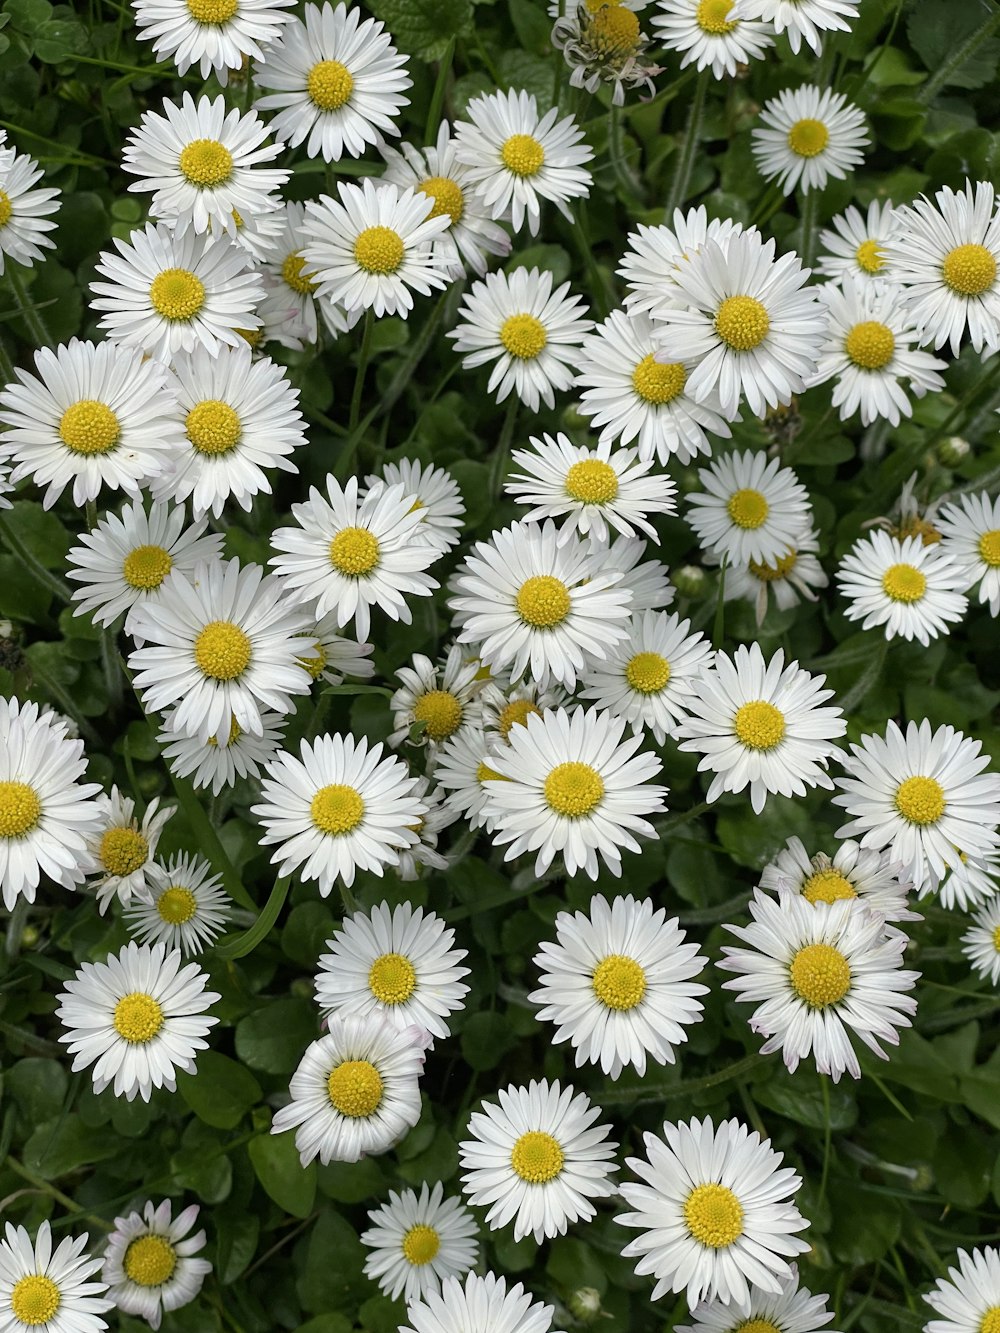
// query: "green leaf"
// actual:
[[221, 1092], [61, 1145], [532, 25], [962, 1166], [352, 1182], [273, 1039], [325, 1285], [327, 1323], [40, 531], [486, 1037], [936, 28], [236, 1234], [291, 1185], [60, 39], [28, 15], [520, 69], [797, 1097], [38, 1087], [549, 258], [424, 27]]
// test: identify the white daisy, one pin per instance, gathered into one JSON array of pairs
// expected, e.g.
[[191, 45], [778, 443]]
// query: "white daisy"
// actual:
[[355, 1092], [529, 331], [150, 1265], [809, 134], [619, 983], [714, 1212], [289, 308], [24, 211], [332, 658], [137, 1018], [912, 589], [215, 35], [654, 256], [504, 707], [42, 1287], [807, 19], [436, 494], [604, 45], [517, 158], [537, 1159], [419, 1241], [969, 1297], [858, 244], [795, 573], [752, 508], [873, 878], [647, 580], [423, 854], [793, 1309], [189, 908], [981, 942], [968, 883], [761, 725], [710, 35], [122, 849], [462, 767], [217, 763], [479, 1305], [443, 702], [971, 537]]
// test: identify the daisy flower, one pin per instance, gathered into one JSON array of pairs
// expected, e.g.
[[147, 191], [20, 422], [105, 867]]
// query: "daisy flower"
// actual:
[[436, 494], [189, 908], [215, 35], [858, 244], [710, 35], [714, 1212], [751, 508], [122, 848], [339, 82], [537, 1159], [969, 1297], [93, 415], [442, 698], [479, 1305], [981, 942], [570, 786], [619, 983], [289, 308], [41, 1286], [397, 963], [419, 1241], [137, 1018], [647, 580], [872, 878], [167, 293], [793, 1309], [355, 1092], [512, 705], [809, 134], [462, 767], [423, 854], [516, 158], [338, 808], [150, 1265], [760, 725], [970, 881], [923, 794], [802, 19], [529, 331], [604, 45], [654, 256], [912, 589], [795, 573], [331, 657], [24, 211], [971, 537], [217, 763]]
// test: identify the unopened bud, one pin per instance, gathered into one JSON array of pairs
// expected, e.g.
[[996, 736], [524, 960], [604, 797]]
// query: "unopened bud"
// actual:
[[573, 418], [690, 581], [953, 451], [585, 1304], [30, 936]]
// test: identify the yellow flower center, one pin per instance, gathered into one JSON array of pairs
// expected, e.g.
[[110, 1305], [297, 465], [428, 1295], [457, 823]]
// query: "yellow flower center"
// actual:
[[420, 1244], [354, 551], [146, 566], [440, 712], [253, 337], [392, 979], [808, 137], [235, 732], [759, 725], [34, 1300], [337, 809], [916, 526], [543, 601], [379, 250], [20, 809], [315, 662], [523, 155], [869, 257], [648, 673], [714, 1216], [89, 427], [820, 975], [516, 714], [870, 345], [291, 272], [991, 1320], [574, 790], [828, 886], [486, 774], [619, 982], [6, 208], [989, 547], [138, 1017], [996, 938], [537, 1157], [592, 481], [213, 11], [523, 336], [920, 800], [176, 905], [613, 31], [222, 650], [206, 163], [355, 1088], [447, 195], [748, 509], [656, 383], [123, 851], [969, 270], [758, 1326], [329, 85], [904, 583], [742, 323], [781, 568], [712, 16], [177, 294], [150, 1261]]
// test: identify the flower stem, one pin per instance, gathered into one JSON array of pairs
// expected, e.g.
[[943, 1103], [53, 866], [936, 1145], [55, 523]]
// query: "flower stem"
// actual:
[[719, 625], [968, 48], [248, 941], [656, 1092], [437, 98], [210, 842], [807, 227], [359, 379], [689, 147], [631, 186], [29, 312], [498, 465]]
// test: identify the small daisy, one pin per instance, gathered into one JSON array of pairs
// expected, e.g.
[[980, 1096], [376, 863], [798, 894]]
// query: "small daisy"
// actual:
[[517, 158], [873, 878], [529, 331], [215, 35], [752, 508], [443, 702], [604, 45], [792, 1310], [149, 1264], [218, 763], [807, 19], [809, 135], [858, 244], [512, 705], [419, 1241], [355, 1092], [969, 1297], [423, 854], [48, 1289], [647, 580], [478, 1305], [968, 883], [981, 942], [122, 849], [710, 35], [137, 1018], [436, 494], [714, 1212], [795, 573], [289, 309], [189, 908], [339, 82], [570, 786], [332, 658], [24, 211], [912, 589], [655, 255], [620, 984], [397, 963], [537, 1159], [971, 531], [760, 724], [910, 516], [462, 767]]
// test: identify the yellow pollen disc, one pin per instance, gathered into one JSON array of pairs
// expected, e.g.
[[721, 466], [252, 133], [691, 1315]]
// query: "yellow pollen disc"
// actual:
[[138, 1018], [820, 975], [870, 345], [869, 257], [206, 163], [759, 725], [648, 673], [828, 886], [920, 800], [742, 323], [614, 30], [619, 982], [574, 790], [6, 208], [123, 851], [34, 1300], [748, 509], [253, 337], [315, 663], [420, 1245], [916, 526], [904, 583], [592, 481], [238, 219], [354, 551], [523, 155], [989, 548], [996, 938], [176, 905], [523, 336], [486, 774], [222, 650], [781, 568], [714, 1216], [808, 137], [150, 1261], [392, 979], [537, 1157], [235, 732], [146, 566], [213, 11], [89, 427], [969, 270], [712, 16], [758, 1326], [543, 601], [991, 1320], [657, 384], [447, 195], [516, 714], [379, 250], [330, 85], [592, 6], [20, 809], [177, 294], [291, 272], [355, 1088], [337, 809], [440, 712]]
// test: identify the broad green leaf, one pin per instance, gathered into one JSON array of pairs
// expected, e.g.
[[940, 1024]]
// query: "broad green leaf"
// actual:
[[424, 27], [275, 1159], [273, 1039], [221, 1092]]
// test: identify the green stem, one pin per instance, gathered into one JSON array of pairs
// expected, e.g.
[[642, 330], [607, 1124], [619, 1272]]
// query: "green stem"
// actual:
[[631, 186], [966, 400], [248, 941], [80, 159], [45, 1186], [864, 75], [689, 147], [359, 379], [6, 365], [498, 465], [681, 818], [688, 1087], [211, 844], [437, 97], [807, 226], [719, 624], [824, 1084], [968, 48], [868, 678], [37, 327]]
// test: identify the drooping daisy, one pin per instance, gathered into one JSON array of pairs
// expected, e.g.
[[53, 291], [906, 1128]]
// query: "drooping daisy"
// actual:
[[423, 854], [528, 330], [970, 881], [969, 1297], [654, 256], [619, 983], [605, 45], [217, 763], [761, 725], [93, 415], [923, 794], [462, 767], [981, 942], [714, 1213], [122, 849], [419, 1241], [971, 531], [339, 82], [858, 244], [436, 494], [289, 308], [911, 516], [807, 19], [331, 658], [517, 158], [809, 134], [137, 1018], [478, 1305], [24, 212], [355, 1092], [42, 1287], [537, 1159], [913, 590], [443, 698], [794, 1309], [794, 574], [150, 1265], [189, 907], [751, 508], [872, 878], [647, 580], [710, 35], [216, 35]]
